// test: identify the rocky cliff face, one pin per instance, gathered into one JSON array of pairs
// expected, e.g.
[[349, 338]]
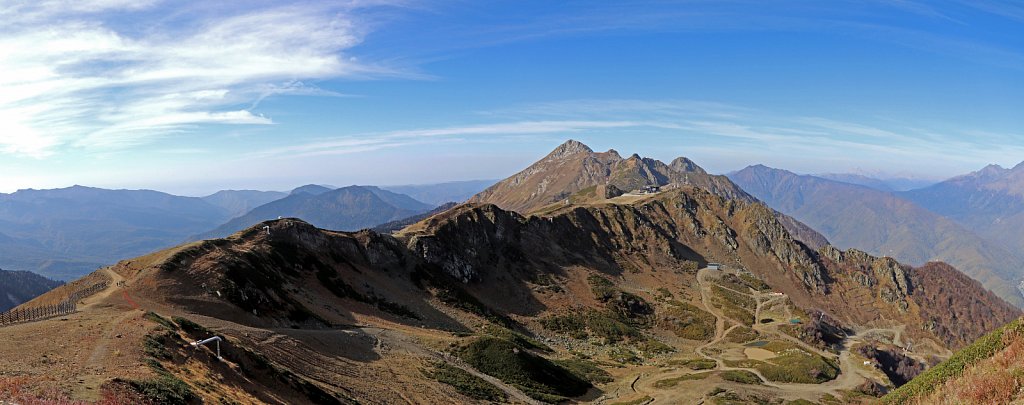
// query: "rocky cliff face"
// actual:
[[693, 224], [573, 168]]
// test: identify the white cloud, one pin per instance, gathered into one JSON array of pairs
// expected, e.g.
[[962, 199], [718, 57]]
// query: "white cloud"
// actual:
[[368, 142], [72, 80]]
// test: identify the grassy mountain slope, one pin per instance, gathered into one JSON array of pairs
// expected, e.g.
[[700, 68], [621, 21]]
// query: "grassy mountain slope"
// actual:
[[883, 223]]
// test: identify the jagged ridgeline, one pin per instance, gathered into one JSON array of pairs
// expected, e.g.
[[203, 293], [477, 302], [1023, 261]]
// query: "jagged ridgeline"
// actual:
[[683, 294]]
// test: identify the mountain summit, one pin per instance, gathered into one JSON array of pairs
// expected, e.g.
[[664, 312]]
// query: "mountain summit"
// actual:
[[574, 166], [573, 172]]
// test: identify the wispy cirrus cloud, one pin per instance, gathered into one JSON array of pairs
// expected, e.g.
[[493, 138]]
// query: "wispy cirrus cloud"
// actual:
[[74, 79], [1009, 9], [367, 142]]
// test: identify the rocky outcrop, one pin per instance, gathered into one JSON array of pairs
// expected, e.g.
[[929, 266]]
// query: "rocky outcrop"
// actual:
[[573, 167]]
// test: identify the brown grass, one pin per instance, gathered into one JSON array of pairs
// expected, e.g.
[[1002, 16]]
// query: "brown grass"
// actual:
[[997, 380], [12, 389]]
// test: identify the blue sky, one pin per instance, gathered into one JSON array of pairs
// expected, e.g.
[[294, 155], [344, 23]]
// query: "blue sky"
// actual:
[[190, 98]]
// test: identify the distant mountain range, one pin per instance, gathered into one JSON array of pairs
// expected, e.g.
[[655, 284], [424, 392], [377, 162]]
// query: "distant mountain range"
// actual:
[[239, 202], [884, 223], [442, 193], [17, 287], [989, 202], [345, 209], [65, 233], [881, 184]]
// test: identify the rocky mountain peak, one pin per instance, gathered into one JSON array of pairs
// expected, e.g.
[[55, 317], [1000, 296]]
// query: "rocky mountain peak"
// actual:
[[992, 170], [685, 165], [571, 147]]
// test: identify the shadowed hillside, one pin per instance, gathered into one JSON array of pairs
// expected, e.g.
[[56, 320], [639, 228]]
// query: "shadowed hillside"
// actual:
[[17, 287]]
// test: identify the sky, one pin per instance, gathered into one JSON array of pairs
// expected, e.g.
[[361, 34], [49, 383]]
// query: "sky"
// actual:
[[194, 97]]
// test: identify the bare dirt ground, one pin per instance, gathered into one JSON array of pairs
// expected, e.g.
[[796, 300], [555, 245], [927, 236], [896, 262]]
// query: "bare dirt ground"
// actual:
[[852, 372], [103, 340]]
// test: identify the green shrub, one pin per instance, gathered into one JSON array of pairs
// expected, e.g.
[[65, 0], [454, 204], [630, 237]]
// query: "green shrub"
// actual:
[[624, 355], [731, 281], [602, 288], [466, 383], [755, 283], [586, 370], [742, 334], [741, 376], [734, 306], [738, 314], [653, 347], [156, 343], [695, 364], [794, 365], [164, 389], [610, 329], [631, 309], [572, 324], [672, 382], [516, 337], [153, 316], [639, 401], [534, 375], [591, 323], [687, 321], [732, 297], [191, 327]]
